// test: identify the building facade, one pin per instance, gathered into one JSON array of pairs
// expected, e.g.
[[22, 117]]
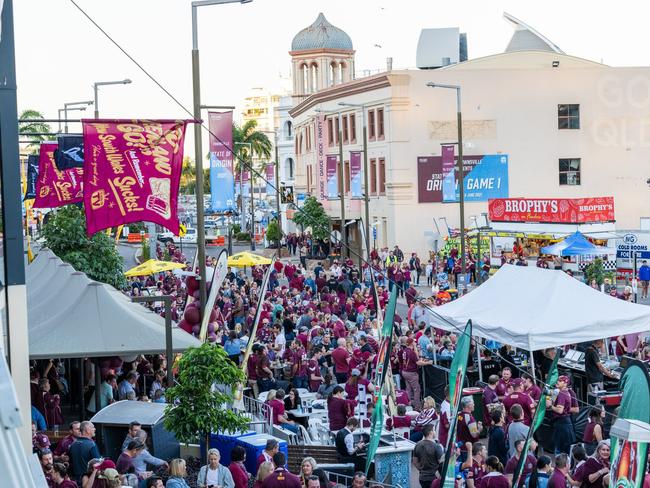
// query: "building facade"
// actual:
[[568, 127]]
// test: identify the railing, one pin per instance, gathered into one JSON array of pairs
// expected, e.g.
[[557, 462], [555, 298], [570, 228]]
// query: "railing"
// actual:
[[260, 415], [344, 480]]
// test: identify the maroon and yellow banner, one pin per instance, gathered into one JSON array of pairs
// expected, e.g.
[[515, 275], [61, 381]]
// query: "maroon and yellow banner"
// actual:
[[132, 172], [55, 188]]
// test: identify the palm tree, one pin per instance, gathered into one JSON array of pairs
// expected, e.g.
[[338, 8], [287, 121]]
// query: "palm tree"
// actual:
[[260, 144], [31, 130], [188, 178]]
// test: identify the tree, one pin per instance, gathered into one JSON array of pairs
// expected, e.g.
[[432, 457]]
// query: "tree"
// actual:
[[97, 256], [31, 130], [273, 232], [312, 214], [200, 401], [595, 271], [188, 178], [260, 145]]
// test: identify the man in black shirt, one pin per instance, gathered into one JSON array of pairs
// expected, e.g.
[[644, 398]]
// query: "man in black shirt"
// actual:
[[347, 451], [428, 456], [594, 368], [488, 365]]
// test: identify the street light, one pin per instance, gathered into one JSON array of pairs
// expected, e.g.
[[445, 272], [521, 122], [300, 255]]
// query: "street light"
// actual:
[[366, 197], [277, 184], [96, 86], [72, 104], [196, 89], [69, 110], [241, 190], [461, 179]]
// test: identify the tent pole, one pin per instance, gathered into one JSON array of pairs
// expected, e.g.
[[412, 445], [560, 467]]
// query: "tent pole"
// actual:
[[81, 389], [532, 364], [478, 355], [98, 384]]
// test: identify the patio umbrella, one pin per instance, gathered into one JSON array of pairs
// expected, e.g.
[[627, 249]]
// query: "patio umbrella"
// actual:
[[242, 259], [153, 266]]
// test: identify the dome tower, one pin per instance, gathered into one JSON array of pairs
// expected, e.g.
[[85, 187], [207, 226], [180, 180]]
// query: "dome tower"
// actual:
[[322, 56]]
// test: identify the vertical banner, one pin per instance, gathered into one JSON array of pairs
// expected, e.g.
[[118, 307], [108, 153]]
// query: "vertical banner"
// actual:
[[629, 456], [70, 152], [538, 418], [246, 183], [56, 188], [321, 176], [32, 177], [448, 173], [383, 367], [270, 179], [332, 176], [355, 174], [132, 171], [222, 181], [456, 379], [218, 277]]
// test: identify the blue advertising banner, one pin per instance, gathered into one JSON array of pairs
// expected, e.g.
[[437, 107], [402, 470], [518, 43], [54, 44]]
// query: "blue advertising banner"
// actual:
[[332, 177], [222, 181], [355, 174], [485, 177]]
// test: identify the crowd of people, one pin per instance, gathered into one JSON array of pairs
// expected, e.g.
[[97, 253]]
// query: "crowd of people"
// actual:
[[319, 332]]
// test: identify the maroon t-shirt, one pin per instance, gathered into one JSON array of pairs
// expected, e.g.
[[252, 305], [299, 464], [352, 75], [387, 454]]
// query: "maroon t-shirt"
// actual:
[[535, 392], [462, 429], [529, 465], [494, 480], [337, 410], [277, 407], [313, 368], [340, 356], [502, 387], [557, 480], [476, 472], [563, 398], [519, 398], [352, 391], [409, 360]]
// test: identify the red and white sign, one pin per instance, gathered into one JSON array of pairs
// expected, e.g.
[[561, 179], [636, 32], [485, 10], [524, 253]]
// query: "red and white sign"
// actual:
[[552, 210]]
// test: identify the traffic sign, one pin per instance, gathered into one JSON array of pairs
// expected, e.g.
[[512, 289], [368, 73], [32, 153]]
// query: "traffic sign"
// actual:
[[182, 230]]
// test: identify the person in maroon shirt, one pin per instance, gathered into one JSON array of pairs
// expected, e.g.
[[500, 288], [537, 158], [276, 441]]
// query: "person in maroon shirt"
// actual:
[[518, 397], [409, 362], [490, 399], [534, 391], [468, 430], [561, 408], [341, 359], [263, 370], [281, 478], [494, 477], [272, 447], [476, 464], [594, 469], [504, 382], [313, 369], [60, 478], [593, 433], [63, 446], [338, 409], [559, 477], [529, 464], [237, 469], [352, 385]]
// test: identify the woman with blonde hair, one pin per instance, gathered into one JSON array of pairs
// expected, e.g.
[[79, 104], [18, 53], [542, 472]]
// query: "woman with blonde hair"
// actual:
[[265, 469], [428, 415], [307, 468], [177, 474]]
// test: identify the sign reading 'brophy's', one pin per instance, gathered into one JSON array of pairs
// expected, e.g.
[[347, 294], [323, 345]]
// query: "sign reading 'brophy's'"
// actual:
[[552, 210], [485, 177]]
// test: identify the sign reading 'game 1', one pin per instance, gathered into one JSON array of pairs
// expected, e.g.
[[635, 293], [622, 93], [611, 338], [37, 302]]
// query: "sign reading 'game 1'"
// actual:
[[552, 210]]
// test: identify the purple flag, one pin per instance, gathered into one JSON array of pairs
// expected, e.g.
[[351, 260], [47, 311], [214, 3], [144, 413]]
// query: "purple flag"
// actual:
[[55, 188], [270, 176], [355, 174], [222, 181]]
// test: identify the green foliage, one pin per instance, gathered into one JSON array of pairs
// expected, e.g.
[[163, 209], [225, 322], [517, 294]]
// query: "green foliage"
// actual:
[[97, 256], [29, 129], [273, 232], [188, 178], [313, 215], [146, 249], [137, 227], [243, 236], [595, 271], [260, 144], [236, 229], [196, 408]]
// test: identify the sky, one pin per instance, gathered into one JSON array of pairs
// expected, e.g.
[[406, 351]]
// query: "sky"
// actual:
[[59, 53]]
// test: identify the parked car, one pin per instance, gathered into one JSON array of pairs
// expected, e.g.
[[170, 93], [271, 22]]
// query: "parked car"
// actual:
[[189, 238]]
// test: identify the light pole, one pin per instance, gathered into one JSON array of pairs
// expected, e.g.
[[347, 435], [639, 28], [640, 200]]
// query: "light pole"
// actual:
[[196, 89], [459, 169], [96, 86], [241, 190], [277, 185], [72, 104], [366, 193], [70, 109]]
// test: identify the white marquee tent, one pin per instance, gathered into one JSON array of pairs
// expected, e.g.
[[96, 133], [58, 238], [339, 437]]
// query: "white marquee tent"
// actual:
[[70, 315], [533, 308]]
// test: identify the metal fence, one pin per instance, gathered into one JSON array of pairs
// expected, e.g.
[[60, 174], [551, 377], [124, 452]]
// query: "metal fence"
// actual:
[[260, 415], [344, 480]]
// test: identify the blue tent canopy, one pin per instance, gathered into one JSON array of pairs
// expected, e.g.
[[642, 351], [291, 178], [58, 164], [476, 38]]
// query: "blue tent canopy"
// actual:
[[574, 245]]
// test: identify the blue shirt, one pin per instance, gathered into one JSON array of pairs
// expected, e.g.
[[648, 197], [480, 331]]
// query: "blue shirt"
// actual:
[[644, 273], [38, 419], [124, 389], [81, 451], [232, 348], [424, 342]]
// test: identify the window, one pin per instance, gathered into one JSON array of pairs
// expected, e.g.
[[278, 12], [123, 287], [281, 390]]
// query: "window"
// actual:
[[568, 116], [305, 78], [347, 176], [330, 132], [288, 168], [309, 179], [371, 124], [288, 127], [380, 123], [336, 129], [570, 171], [353, 128], [332, 73], [345, 128], [373, 177], [339, 175], [382, 176], [314, 78]]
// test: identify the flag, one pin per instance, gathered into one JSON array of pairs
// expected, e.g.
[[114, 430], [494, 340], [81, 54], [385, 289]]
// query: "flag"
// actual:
[[629, 456], [270, 176], [456, 379], [222, 180], [218, 277], [70, 151], [383, 371], [538, 418], [56, 188], [132, 171], [32, 176], [355, 174], [332, 176]]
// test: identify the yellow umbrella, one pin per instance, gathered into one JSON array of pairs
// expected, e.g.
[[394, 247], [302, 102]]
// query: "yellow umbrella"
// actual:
[[153, 266], [246, 258]]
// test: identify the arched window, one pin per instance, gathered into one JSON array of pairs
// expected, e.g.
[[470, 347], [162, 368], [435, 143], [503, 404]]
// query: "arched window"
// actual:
[[304, 71], [332, 73], [288, 129], [340, 72], [314, 78], [288, 168]]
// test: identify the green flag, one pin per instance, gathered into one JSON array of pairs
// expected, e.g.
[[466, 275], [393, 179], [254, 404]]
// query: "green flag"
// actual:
[[456, 379], [629, 456], [376, 426], [538, 418]]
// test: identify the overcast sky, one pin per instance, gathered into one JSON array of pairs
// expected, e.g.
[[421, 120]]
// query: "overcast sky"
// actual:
[[60, 53]]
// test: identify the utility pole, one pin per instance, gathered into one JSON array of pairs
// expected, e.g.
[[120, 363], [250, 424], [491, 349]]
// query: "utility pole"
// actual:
[[344, 235]]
